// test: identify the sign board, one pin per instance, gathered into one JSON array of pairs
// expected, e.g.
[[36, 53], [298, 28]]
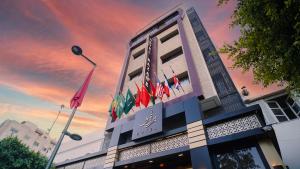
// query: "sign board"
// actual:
[[147, 122]]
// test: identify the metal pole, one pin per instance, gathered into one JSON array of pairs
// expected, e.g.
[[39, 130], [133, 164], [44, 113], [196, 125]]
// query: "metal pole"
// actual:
[[61, 107], [89, 60], [53, 154]]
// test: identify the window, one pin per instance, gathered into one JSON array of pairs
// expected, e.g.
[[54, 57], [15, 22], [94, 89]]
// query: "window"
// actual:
[[136, 73], [277, 110], [138, 54], [13, 131], [293, 105], [36, 144], [169, 36], [200, 35], [220, 84], [207, 56], [26, 137], [243, 158], [171, 55]]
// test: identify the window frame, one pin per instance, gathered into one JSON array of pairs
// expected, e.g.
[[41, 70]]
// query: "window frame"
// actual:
[[297, 114], [278, 107]]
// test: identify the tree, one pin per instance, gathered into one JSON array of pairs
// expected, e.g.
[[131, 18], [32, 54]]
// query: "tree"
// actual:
[[15, 155], [269, 43]]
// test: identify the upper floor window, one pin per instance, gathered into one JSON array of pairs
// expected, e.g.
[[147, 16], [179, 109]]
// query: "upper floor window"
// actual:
[[200, 35], [169, 36], [139, 53], [278, 111], [207, 55], [26, 137], [135, 74], [36, 144], [171, 55], [13, 131], [293, 105]]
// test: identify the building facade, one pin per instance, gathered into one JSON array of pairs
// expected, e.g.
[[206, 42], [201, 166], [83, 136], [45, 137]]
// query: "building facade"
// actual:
[[29, 134], [203, 124], [282, 111], [71, 149]]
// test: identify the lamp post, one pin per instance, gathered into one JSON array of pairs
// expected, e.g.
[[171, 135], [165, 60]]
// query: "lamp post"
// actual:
[[77, 51]]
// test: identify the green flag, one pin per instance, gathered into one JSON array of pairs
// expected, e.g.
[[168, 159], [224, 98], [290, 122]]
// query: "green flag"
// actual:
[[120, 105], [129, 102]]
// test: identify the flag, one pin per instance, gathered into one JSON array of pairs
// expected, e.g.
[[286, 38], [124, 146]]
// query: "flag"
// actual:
[[159, 89], [120, 105], [138, 96], [79, 95], [176, 82], [152, 92], [129, 102], [145, 97], [112, 109], [166, 88]]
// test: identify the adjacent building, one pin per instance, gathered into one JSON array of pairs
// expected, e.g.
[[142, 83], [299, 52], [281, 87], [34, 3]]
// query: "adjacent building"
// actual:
[[71, 149], [281, 110], [29, 134], [203, 124]]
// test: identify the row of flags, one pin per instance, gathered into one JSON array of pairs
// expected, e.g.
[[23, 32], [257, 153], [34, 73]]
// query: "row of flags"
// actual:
[[120, 105]]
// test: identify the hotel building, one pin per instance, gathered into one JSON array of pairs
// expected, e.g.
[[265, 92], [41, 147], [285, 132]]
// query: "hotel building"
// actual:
[[204, 124]]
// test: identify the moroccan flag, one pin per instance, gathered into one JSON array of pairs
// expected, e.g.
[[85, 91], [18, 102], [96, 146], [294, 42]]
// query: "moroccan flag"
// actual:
[[129, 102], [138, 96], [79, 95], [120, 105], [152, 92], [145, 97]]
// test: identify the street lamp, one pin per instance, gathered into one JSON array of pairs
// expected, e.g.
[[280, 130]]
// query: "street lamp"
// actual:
[[77, 51]]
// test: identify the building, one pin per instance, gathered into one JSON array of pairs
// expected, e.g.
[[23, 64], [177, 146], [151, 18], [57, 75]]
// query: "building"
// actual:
[[204, 124], [29, 134], [71, 149], [282, 111]]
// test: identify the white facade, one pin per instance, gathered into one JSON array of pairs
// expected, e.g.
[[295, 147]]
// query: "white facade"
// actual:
[[283, 113], [29, 134], [90, 143]]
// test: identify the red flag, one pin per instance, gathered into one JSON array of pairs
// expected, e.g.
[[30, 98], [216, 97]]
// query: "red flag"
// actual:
[[166, 88], [153, 89], [113, 113], [145, 97], [138, 96], [79, 95]]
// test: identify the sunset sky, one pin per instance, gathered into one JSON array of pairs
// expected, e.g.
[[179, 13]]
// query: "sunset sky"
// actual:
[[38, 71]]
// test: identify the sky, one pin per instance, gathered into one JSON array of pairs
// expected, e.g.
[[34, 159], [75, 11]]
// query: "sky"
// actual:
[[38, 71]]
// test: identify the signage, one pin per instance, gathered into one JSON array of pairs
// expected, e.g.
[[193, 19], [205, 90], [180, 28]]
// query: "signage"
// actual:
[[148, 63], [147, 122]]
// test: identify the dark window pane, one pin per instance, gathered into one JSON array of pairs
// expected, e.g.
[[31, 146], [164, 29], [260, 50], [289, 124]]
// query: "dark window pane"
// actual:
[[246, 158], [277, 112], [272, 104], [281, 118], [290, 101], [249, 158], [227, 161], [296, 107], [290, 113]]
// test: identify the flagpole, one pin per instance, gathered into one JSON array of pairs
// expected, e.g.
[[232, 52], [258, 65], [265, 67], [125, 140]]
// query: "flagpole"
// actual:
[[167, 81], [179, 82], [64, 132]]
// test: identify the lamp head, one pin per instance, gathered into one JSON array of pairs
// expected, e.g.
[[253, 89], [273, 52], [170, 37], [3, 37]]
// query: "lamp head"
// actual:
[[76, 50]]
